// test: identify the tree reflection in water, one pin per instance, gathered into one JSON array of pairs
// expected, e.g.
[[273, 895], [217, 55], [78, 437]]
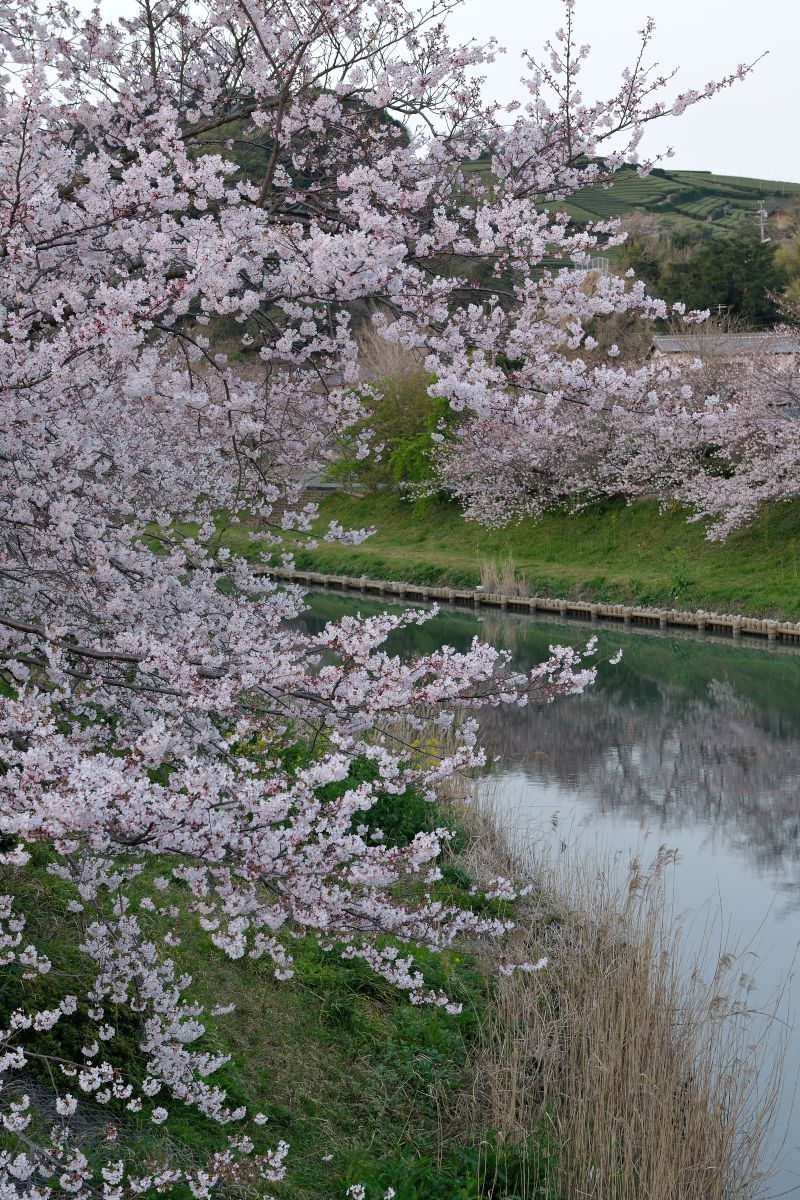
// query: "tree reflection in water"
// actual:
[[670, 763], [683, 732]]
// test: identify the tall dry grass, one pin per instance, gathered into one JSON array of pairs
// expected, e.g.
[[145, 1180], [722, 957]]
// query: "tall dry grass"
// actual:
[[499, 576], [642, 1065], [381, 358]]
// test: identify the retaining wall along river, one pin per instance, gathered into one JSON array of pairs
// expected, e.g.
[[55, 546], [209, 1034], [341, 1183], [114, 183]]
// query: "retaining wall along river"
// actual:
[[662, 618]]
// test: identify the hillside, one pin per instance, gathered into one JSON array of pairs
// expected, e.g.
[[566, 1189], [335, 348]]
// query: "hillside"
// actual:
[[610, 552], [727, 203]]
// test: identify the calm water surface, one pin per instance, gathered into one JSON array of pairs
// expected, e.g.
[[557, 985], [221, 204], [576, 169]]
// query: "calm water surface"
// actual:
[[689, 742]]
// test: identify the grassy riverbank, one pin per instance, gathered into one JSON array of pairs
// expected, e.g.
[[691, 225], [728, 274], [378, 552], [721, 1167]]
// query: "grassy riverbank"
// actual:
[[355, 1078], [610, 553], [606, 1075]]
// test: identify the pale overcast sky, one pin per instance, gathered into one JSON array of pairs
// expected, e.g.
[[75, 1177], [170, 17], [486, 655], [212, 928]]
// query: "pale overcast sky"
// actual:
[[750, 130]]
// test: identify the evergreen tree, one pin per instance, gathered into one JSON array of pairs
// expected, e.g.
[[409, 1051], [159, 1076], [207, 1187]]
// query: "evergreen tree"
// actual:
[[736, 272]]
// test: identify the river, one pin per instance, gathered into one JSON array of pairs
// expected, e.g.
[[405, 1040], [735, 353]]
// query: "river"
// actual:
[[691, 742]]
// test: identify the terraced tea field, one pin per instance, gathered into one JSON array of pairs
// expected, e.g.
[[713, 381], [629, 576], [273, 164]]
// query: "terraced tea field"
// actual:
[[729, 203]]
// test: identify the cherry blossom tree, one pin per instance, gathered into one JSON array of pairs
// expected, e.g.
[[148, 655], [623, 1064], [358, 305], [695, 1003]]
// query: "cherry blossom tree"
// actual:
[[228, 173], [752, 450], [718, 434]]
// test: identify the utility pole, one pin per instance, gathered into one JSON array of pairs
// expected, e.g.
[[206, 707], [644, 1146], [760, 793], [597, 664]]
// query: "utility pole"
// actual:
[[761, 217]]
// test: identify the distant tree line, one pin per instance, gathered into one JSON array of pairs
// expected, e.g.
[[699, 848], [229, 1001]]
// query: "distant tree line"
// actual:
[[737, 275]]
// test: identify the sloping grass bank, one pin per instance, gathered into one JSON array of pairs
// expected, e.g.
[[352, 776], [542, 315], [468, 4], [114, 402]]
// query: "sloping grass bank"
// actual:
[[610, 553], [612, 1074], [353, 1076]]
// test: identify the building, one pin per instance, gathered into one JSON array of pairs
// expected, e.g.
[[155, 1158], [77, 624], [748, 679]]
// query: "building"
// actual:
[[781, 350]]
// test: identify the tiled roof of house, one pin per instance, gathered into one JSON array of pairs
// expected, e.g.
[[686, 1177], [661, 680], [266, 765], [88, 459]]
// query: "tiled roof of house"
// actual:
[[727, 343]]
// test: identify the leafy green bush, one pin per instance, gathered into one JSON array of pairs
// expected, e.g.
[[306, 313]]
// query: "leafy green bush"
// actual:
[[740, 273], [402, 417]]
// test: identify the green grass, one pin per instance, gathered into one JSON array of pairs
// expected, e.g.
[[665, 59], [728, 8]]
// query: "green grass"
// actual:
[[343, 1066], [611, 553]]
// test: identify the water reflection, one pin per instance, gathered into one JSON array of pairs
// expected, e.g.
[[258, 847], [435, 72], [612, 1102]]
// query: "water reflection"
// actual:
[[668, 760], [693, 741], [682, 733]]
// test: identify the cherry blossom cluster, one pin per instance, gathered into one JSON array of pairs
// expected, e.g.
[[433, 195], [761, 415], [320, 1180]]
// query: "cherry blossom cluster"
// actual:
[[197, 204], [718, 436], [747, 454]]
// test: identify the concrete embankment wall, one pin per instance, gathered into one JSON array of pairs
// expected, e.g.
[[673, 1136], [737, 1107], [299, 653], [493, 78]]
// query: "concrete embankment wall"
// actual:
[[662, 618]]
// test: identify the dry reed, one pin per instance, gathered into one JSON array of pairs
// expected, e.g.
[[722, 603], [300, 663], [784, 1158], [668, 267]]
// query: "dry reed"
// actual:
[[381, 358], [648, 1077], [500, 577]]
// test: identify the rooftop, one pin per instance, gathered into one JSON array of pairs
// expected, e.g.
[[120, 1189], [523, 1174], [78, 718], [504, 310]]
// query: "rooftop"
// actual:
[[727, 343]]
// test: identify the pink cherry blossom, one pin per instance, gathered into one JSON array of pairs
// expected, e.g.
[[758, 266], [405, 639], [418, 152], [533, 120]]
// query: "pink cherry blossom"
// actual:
[[152, 681]]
